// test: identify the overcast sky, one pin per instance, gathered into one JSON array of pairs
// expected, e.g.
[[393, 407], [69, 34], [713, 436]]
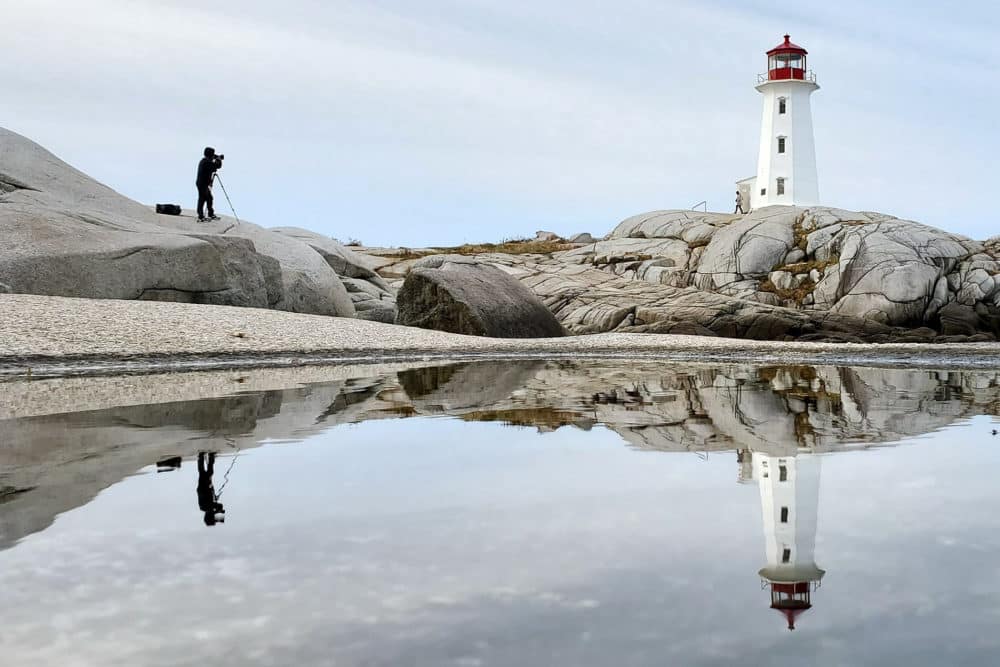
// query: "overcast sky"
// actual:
[[441, 121]]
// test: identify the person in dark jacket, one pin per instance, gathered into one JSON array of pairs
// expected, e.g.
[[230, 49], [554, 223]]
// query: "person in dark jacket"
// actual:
[[209, 164], [208, 501]]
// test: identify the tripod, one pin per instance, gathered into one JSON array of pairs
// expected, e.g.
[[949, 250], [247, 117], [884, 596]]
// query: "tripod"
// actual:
[[219, 181]]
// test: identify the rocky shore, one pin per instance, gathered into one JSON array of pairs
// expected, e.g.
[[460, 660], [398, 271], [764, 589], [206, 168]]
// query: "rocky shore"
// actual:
[[778, 275], [54, 335]]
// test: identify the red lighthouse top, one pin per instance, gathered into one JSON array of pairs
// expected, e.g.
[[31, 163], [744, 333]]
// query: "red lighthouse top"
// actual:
[[787, 47], [786, 61]]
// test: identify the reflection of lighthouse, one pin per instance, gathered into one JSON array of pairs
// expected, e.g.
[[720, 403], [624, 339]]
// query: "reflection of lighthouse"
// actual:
[[789, 499]]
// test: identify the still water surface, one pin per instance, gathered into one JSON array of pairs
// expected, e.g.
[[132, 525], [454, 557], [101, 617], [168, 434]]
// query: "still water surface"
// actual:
[[571, 513]]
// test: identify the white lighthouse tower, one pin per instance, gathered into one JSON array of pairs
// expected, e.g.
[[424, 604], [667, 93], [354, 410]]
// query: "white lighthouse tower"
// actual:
[[786, 163], [789, 498]]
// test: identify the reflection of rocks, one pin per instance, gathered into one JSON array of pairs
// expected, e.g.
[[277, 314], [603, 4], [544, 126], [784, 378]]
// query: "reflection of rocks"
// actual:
[[774, 409], [53, 463], [447, 389], [50, 463]]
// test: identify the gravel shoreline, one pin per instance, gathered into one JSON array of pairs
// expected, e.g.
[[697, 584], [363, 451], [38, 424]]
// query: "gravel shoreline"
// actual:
[[57, 335]]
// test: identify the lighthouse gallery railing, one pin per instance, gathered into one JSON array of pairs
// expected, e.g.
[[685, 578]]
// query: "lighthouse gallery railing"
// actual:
[[809, 76]]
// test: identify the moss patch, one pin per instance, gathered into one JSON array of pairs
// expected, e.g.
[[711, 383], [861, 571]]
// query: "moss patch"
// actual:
[[406, 253], [799, 235], [807, 266], [510, 247], [544, 417], [515, 247], [796, 294]]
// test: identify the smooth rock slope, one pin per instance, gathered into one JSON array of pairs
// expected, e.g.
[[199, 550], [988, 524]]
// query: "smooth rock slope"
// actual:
[[65, 234]]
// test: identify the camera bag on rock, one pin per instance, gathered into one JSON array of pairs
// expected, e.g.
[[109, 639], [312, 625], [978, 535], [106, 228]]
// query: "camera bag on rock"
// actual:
[[168, 209]]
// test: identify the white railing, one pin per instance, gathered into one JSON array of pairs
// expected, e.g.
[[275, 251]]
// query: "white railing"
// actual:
[[701, 203], [809, 76]]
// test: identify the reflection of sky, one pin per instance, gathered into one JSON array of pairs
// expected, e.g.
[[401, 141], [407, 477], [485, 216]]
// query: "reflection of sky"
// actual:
[[436, 542]]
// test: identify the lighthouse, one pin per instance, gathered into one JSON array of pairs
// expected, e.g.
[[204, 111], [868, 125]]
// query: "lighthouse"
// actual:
[[789, 498], [786, 162]]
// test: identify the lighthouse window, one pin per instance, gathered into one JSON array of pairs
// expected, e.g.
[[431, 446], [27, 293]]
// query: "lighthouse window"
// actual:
[[784, 515], [786, 555], [781, 186], [781, 144], [781, 105], [782, 474]]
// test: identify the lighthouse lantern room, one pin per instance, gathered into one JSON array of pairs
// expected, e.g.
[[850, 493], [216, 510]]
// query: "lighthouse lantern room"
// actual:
[[786, 61], [786, 162]]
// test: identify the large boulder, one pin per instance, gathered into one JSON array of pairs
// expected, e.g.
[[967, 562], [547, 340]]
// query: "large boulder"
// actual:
[[308, 283], [65, 234], [373, 297], [52, 252], [461, 296]]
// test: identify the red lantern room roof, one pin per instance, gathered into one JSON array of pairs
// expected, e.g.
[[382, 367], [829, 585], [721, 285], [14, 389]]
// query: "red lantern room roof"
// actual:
[[787, 47], [791, 615]]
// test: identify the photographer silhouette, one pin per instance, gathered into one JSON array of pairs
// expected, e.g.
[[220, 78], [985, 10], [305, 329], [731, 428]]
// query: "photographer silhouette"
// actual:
[[207, 167]]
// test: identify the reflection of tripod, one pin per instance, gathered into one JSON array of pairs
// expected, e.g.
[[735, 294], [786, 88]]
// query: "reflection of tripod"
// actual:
[[208, 501]]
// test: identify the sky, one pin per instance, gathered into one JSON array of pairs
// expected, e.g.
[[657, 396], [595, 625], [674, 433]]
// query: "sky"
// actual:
[[435, 122]]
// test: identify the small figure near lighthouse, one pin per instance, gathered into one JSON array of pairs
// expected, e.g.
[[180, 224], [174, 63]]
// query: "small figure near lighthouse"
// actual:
[[786, 161]]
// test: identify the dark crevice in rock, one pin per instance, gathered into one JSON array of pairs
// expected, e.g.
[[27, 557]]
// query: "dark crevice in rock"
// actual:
[[183, 295], [10, 184], [128, 254], [8, 493]]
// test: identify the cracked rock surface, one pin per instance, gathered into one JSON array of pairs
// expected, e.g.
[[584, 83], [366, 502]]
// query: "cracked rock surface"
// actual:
[[779, 273]]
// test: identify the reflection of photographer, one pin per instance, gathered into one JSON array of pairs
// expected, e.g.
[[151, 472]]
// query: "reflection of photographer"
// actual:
[[209, 164], [208, 500]]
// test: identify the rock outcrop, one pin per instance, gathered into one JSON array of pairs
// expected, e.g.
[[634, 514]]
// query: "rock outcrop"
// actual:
[[65, 234], [454, 294], [372, 296], [780, 273]]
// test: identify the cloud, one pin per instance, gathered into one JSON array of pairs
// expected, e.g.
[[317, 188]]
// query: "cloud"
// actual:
[[408, 122]]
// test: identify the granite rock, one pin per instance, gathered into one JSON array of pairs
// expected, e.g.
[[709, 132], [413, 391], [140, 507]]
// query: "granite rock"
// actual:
[[781, 273], [466, 297], [65, 234]]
